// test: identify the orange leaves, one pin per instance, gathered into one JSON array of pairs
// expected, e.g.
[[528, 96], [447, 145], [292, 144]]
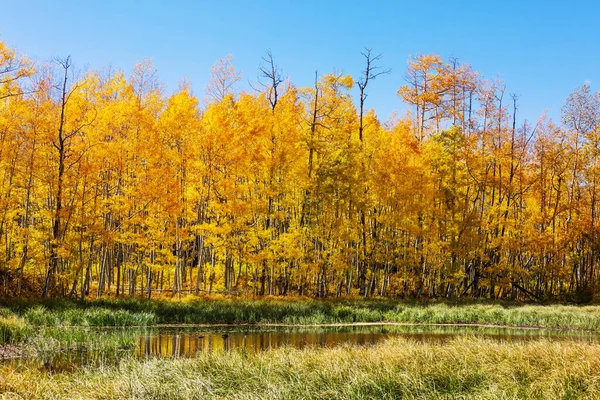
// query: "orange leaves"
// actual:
[[13, 69], [299, 190], [441, 92]]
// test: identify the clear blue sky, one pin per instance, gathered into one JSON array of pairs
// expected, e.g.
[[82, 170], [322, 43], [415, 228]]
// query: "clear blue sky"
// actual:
[[542, 49]]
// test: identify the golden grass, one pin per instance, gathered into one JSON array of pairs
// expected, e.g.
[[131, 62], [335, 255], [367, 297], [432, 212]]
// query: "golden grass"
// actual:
[[464, 367]]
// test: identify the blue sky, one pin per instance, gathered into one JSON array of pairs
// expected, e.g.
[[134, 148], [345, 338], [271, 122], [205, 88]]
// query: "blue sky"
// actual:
[[542, 49]]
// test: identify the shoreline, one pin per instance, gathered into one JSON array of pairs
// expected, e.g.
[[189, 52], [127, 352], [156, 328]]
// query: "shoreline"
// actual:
[[16, 351], [327, 325]]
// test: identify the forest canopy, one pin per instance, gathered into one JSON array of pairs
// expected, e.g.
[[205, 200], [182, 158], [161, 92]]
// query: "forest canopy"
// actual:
[[110, 187]]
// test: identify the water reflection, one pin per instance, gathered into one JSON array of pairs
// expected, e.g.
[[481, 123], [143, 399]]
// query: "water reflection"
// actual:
[[95, 347], [188, 342]]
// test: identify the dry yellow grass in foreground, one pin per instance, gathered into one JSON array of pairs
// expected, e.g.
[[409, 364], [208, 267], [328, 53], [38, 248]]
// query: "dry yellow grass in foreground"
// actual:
[[464, 367]]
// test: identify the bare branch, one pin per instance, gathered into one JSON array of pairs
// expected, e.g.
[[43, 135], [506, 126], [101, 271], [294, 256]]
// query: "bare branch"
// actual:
[[370, 72], [274, 78]]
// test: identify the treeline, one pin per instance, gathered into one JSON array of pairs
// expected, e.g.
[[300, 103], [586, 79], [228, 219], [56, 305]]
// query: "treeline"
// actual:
[[109, 187]]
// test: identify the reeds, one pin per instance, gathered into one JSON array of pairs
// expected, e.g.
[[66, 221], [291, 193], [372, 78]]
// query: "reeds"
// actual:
[[464, 367], [13, 330], [131, 312]]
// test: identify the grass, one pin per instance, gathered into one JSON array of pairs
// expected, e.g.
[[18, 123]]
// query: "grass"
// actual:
[[464, 367], [85, 316], [130, 312], [13, 330], [50, 341]]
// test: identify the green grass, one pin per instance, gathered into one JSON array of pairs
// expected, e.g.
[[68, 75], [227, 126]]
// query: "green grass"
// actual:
[[13, 330], [464, 367], [120, 312], [75, 315], [51, 341], [551, 316]]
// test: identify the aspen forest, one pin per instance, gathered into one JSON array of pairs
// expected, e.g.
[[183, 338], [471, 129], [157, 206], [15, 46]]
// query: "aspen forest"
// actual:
[[110, 186]]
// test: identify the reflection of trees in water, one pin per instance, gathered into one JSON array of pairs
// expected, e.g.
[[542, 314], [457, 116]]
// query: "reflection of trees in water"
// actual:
[[109, 346], [171, 344], [187, 342]]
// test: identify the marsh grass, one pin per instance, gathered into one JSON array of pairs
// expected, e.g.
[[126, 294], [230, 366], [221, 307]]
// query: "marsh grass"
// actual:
[[464, 367], [551, 316], [13, 330], [85, 316], [131, 312], [53, 340]]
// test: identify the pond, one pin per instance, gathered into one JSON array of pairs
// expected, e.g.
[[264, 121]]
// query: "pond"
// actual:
[[110, 345], [188, 342]]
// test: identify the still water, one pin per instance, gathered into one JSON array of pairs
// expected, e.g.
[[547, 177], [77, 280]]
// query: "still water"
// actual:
[[109, 346], [188, 342]]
